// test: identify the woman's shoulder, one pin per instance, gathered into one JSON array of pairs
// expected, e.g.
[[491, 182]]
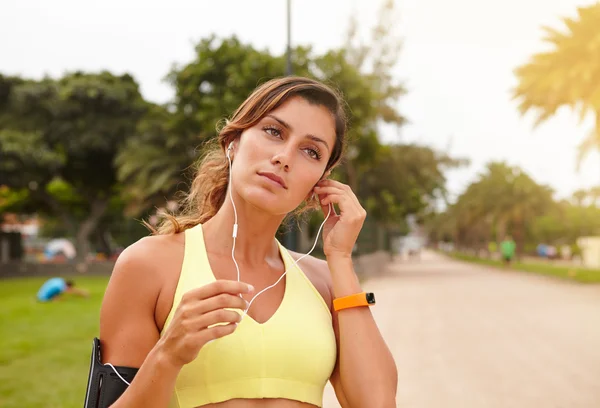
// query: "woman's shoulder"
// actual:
[[148, 248], [132, 302], [150, 256]]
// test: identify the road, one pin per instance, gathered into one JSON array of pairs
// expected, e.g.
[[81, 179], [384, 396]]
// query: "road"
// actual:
[[465, 336]]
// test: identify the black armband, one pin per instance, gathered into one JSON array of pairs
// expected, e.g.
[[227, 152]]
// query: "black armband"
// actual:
[[104, 386]]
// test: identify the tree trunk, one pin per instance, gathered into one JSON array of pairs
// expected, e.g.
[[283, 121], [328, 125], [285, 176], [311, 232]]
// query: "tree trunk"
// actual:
[[59, 210], [86, 228], [103, 240], [500, 230], [519, 237], [352, 182]]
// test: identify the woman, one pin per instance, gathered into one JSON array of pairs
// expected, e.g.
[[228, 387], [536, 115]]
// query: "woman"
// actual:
[[176, 308]]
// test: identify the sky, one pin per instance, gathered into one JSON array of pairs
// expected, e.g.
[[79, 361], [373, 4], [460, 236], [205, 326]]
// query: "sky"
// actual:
[[457, 63]]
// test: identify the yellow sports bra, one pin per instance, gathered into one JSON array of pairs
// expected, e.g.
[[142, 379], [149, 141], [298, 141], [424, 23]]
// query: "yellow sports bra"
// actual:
[[290, 356]]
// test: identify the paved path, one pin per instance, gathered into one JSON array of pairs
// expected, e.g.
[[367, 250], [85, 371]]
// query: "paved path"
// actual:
[[472, 336]]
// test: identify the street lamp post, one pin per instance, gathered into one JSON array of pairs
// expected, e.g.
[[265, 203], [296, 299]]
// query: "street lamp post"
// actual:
[[288, 69], [291, 236]]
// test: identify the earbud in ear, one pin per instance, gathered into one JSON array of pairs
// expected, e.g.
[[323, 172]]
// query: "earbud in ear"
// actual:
[[229, 149]]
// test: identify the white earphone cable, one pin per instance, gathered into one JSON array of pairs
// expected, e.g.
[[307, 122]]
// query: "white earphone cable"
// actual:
[[235, 226], [115, 370], [295, 263], [235, 220]]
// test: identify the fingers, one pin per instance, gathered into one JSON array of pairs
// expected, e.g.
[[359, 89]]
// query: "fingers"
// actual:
[[323, 189], [345, 203], [219, 316], [218, 287], [334, 192], [342, 203], [225, 296], [329, 190], [335, 186], [222, 301], [216, 332], [202, 328], [333, 183], [350, 211], [325, 207], [336, 198]]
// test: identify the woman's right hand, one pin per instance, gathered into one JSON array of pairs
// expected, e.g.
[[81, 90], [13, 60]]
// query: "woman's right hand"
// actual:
[[200, 308]]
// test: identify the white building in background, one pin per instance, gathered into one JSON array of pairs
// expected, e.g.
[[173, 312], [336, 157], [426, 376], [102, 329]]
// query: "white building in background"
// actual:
[[28, 228], [590, 251], [413, 242]]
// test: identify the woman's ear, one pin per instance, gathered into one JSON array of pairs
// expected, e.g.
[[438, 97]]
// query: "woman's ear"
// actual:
[[231, 147], [312, 196]]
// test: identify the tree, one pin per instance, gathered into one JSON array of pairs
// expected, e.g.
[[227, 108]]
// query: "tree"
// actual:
[[374, 61], [568, 75], [503, 200], [59, 139], [11, 199], [579, 197], [405, 179], [377, 58], [151, 163]]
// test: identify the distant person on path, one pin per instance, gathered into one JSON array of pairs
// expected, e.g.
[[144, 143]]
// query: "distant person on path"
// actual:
[[507, 248], [53, 288], [542, 250], [492, 249]]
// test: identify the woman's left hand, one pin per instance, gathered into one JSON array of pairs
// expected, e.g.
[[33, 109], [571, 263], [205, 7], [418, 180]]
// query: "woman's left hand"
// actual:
[[340, 231]]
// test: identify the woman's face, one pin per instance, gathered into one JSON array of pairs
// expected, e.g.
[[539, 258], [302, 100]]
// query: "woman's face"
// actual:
[[277, 162]]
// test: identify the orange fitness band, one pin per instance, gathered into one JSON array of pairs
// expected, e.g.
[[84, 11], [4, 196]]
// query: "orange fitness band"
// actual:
[[355, 300]]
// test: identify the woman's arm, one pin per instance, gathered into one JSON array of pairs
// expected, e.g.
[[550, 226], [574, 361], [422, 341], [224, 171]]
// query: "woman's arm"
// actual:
[[365, 374], [128, 333]]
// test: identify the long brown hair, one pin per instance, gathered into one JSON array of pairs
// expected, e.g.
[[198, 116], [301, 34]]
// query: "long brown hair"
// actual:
[[209, 187]]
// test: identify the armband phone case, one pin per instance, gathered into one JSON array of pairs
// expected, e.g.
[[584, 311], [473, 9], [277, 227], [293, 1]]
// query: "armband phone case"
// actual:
[[104, 386]]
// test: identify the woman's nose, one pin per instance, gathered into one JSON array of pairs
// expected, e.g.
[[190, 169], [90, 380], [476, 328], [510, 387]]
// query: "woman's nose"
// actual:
[[282, 158]]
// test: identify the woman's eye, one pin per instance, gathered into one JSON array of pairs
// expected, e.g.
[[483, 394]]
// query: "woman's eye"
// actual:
[[314, 154], [272, 131]]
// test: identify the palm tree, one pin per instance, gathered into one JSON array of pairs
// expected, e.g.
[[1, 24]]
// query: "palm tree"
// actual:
[[594, 194], [152, 164], [503, 198], [568, 75], [579, 197]]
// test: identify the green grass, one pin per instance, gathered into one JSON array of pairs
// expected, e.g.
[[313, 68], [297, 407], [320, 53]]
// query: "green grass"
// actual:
[[45, 347], [582, 275]]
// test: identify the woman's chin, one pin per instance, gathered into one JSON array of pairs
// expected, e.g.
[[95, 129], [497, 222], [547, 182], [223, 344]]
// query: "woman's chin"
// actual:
[[267, 201]]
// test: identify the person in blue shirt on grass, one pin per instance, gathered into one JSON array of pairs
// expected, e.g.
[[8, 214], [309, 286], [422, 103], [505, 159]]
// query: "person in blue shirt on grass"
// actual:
[[53, 288]]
